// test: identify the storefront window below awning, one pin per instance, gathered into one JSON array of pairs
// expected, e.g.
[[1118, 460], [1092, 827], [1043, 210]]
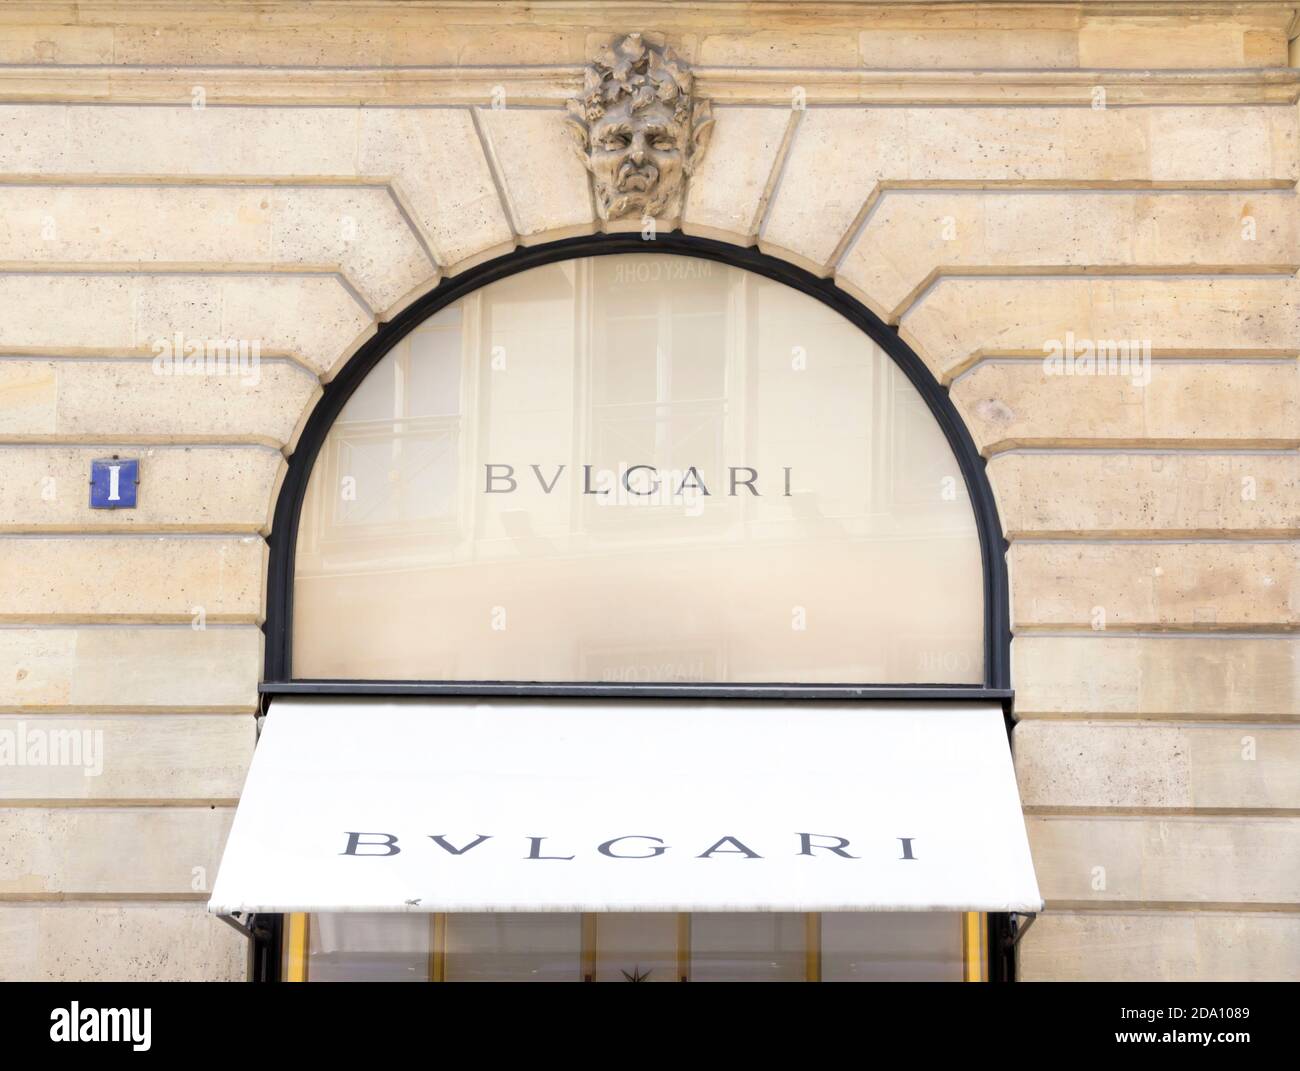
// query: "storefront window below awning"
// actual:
[[651, 947]]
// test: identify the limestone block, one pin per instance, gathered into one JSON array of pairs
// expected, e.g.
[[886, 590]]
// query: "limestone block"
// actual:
[[432, 156], [726, 195], [1203, 678], [29, 398], [1081, 145], [913, 235], [122, 670], [411, 37], [1135, 766], [182, 489], [1204, 404], [1252, 769], [185, 140], [437, 163], [1225, 144], [1150, 946], [786, 46], [1229, 231], [1265, 48], [1119, 42], [133, 579], [32, 138], [361, 229], [1063, 495], [303, 35], [1196, 586], [136, 225], [62, 44], [129, 401], [962, 319], [302, 315], [527, 143], [118, 942], [51, 853], [311, 317], [930, 49], [827, 178], [72, 314], [1176, 860], [196, 758], [830, 176]]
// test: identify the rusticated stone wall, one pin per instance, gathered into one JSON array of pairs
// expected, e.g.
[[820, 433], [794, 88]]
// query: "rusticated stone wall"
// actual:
[[987, 179]]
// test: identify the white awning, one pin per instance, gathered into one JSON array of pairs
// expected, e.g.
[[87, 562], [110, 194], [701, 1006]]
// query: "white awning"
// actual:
[[628, 805]]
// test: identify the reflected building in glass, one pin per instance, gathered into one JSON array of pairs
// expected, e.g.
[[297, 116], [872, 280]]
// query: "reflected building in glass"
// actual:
[[638, 468]]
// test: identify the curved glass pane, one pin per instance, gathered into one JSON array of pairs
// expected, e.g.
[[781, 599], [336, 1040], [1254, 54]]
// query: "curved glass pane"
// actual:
[[636, 468]]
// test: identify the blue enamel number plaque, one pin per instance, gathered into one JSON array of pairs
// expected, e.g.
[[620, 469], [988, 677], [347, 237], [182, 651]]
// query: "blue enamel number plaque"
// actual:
[[113, 483]]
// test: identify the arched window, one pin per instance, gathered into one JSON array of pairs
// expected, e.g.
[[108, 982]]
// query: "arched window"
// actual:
[[612, 467], [641, 468]]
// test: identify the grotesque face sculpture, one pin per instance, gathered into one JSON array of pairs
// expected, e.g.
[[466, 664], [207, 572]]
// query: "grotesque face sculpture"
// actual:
[[638, 131]]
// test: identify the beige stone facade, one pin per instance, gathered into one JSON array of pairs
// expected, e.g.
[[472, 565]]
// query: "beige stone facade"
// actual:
[[985, 177]]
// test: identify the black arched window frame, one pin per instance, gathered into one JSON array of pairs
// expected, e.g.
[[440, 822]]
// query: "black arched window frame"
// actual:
[[278, 628]]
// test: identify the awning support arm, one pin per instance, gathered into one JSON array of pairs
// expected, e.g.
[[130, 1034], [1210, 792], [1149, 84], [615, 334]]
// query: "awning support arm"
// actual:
[[1017, 930], [263, 943], [243, 922]]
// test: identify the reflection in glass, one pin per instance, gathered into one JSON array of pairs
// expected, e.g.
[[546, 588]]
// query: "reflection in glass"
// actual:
[[635, 948], [513, 948], [738, 947], [358, 947], [889, 946], [632, 947], [639, 467]]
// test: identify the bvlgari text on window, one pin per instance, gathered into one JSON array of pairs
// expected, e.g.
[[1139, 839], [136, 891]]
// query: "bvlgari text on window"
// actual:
[[501, 479]]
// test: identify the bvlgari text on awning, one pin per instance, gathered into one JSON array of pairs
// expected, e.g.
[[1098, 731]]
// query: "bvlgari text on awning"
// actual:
[[632, 846]]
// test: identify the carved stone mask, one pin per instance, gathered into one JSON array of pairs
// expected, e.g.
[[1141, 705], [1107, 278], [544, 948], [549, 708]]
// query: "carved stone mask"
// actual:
[[637, 129]]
